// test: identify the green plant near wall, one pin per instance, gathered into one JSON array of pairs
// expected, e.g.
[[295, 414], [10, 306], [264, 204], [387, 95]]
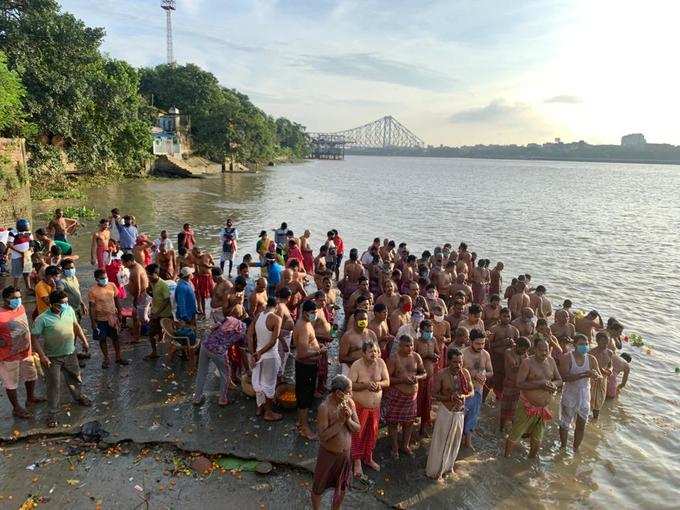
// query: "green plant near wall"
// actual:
[[8, 173]]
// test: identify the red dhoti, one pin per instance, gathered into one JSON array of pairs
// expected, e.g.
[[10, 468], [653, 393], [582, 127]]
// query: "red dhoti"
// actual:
[[425, 401], [363, 441], [203, 283], [308, 261], [322, 372], [400, 407]]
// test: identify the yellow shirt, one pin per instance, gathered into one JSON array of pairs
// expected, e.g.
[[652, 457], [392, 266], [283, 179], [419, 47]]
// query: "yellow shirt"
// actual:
[[42, 290]]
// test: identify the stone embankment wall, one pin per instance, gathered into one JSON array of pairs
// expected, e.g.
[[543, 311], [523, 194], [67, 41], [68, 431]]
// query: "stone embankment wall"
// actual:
[[15, 188]]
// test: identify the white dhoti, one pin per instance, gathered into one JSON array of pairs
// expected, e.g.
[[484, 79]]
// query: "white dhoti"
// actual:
[[217, 315], [264, 377], [446, 436], [284, 349]]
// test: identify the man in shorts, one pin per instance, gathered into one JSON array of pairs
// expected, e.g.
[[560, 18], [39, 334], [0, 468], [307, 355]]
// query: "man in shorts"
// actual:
[[104, 312]]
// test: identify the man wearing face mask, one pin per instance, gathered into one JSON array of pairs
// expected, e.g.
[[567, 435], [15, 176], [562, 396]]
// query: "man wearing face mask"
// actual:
[[538, 379], [104, 312], [401, 316], [577, 369], [44, 287], [478, 362], [432, 298], [58, 327], [353, 339], [451, 388], [16, 352], [525, 322], [426, 347], [69, 283], [412, 328], [307, 353], [128, 233], [442, 334]]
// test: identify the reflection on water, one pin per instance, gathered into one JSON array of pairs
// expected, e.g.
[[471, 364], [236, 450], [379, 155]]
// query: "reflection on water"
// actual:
[[604, 235]]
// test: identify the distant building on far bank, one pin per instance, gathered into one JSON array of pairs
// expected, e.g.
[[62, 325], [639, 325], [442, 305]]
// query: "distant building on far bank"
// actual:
[[633, 140], [171, 134]]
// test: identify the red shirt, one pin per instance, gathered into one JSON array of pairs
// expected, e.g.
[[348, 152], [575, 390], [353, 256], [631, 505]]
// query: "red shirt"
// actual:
[[15, 336], [339, 245]]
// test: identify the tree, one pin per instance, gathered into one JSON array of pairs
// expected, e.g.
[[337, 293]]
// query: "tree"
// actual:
[[11, 93]]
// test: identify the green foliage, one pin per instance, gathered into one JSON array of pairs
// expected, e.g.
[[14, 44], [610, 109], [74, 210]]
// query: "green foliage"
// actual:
[[292, 135], [224, 122], [77, 98], [11, 93], [80, 213]]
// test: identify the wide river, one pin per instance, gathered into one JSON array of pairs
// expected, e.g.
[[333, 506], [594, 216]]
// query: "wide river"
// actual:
[[604, 235]]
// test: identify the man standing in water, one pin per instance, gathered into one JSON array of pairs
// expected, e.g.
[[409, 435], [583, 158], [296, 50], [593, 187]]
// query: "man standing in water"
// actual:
[[229, 236], [306, 366], [514, 356], [519, 300], [538, 379], [589, 324], [478, 362], [369, 378], [452, 387], [406, 370], [603, 355], [576, 368], [337, 421], [496, 284]]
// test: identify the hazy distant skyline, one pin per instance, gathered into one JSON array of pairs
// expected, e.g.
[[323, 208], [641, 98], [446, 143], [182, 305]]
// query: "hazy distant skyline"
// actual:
[[454, 72]]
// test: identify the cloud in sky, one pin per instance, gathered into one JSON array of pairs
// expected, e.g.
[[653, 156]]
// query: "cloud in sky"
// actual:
[[565, 98], [497, 111], [369, 66]]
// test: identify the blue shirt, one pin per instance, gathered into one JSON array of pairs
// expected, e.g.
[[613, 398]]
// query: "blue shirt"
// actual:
[[274, 273], [185, 298], [128, 236]]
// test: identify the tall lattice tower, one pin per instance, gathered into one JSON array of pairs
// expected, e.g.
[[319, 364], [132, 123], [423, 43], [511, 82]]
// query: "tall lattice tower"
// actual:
[[168, 6]]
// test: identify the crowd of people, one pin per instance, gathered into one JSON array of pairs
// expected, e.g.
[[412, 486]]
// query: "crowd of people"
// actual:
[[412, 336]]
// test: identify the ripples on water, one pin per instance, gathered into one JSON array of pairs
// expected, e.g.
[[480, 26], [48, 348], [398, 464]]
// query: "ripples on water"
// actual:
[[604, 235]]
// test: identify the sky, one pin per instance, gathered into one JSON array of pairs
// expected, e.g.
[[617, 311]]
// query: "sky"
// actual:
[[455, 72]]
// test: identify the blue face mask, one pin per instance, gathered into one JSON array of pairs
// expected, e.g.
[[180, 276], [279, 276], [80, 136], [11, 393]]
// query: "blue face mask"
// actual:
[[63, 307], [70, 272], [102, 281], [15, 303], [582, 349], [427, 335]]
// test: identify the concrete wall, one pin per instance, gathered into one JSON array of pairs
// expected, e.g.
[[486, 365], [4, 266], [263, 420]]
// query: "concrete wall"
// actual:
[[15, 189]]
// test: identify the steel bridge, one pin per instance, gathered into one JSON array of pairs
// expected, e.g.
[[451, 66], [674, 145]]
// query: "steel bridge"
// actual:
[[385, 133]]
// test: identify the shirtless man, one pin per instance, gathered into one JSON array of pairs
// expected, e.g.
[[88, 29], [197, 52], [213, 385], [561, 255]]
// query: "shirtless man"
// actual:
[[474, 319], [563, 329], [462, 286], [442, 334], [461, 338], [406, 369], [320, 269], [502, 338], [519, 300], [457, 313], [525, 322], [221, 288], [441, 278], [496, 285], [353, 339], [235, 299], [354, 270], [287, 326], [513, 358], [59, 226], [390, 297], [538, 379], [307, 353], [204, 263], [401, 315], [543, 331], [598, 387], [511, 289], [433, 299], [378, 324], [166, 262], [539, 303], [426, 347], [337, 421], [361, 291], [418, 301], [297, 290], [451, 388], [589, 324], [139, 281], [409, 274], [464, 260], [369, 376], [491, 311], [258, 299], [577, 369], [478, 362]]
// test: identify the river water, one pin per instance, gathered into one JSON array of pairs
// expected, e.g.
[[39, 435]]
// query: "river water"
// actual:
[[604, 235]]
